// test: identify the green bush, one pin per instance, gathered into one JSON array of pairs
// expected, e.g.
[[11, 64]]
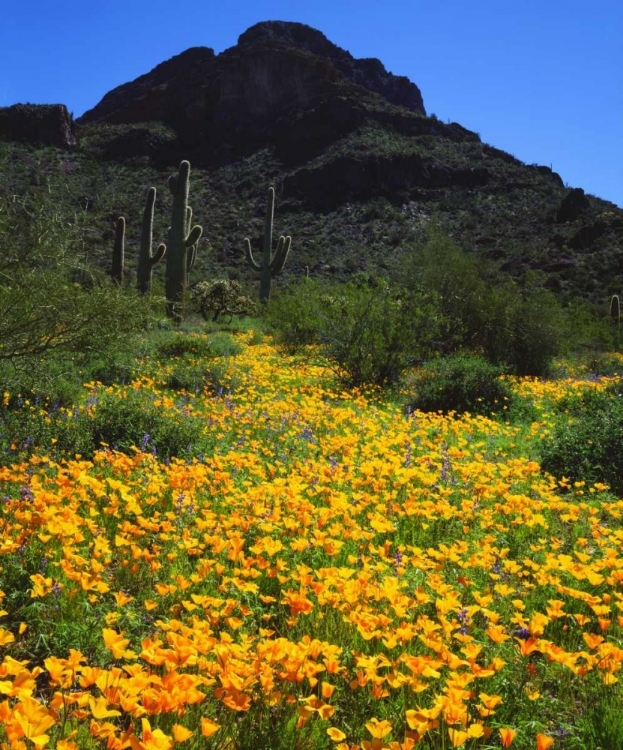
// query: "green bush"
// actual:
[[182, 344], [223, 344], [198, 346], [130, 419], [481, 310], [373, 333], [605, 364], [586, 442], [453, 282], [29, 426], [521, 329], [461, 383], [55, 307], [369, 332], [293, 315]]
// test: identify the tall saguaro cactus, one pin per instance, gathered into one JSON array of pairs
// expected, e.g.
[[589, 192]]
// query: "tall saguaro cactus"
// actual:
[[271, 265], [181, 238], [118, 253], [146, 259]]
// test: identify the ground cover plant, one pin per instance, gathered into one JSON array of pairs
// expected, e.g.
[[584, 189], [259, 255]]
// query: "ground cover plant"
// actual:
[[318, 568]]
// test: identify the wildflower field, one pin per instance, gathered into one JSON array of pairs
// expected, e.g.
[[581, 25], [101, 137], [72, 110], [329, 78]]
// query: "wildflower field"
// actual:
[[322, 569]]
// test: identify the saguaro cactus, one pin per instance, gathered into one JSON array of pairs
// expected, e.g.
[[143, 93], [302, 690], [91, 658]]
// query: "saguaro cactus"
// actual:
[[615, 309], [271, 265], [118, 253], [147, 260], [181, 238]]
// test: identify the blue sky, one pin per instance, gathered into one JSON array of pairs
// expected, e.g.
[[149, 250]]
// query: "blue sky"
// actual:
[[541, 79]]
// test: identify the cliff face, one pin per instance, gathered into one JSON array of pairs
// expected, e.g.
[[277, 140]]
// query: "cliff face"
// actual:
[[38, 124]]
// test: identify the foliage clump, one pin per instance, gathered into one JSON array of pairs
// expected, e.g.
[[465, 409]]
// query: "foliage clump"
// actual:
[[55, 306], [586, 442], [369, 332], [521, 327], [460, 383]]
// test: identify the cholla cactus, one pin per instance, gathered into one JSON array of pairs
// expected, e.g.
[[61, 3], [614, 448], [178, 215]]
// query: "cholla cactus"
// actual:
[[181, 238], [271, 265], [221, 297], [146, 259], [118, 253]]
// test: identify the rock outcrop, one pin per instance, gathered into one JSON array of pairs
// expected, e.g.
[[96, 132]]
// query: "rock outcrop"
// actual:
[[572, 206], [38, 124]]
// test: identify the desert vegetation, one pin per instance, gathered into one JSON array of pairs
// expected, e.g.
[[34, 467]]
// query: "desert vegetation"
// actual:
[[375, 513]]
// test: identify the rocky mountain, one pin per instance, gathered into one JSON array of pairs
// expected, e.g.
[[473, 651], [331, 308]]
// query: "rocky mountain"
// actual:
[[253, 94], [360, 168]]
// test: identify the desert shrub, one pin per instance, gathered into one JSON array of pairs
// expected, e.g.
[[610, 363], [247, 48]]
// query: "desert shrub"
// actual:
[[223, 344], [461, 383], [369, 332], [182, 344], [54, 306], [452, 280], [196, 346], [605, 364], [33, 426], [481, 310], [221, 297], [586, 442], [372, 333], [523, 331], [123, 420], [293, 315]]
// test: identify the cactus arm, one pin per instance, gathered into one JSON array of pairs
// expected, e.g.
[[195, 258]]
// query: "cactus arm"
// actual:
[[191, 257], [159, 254], [283, 248], [249, 255], [118, 254], [615, 309], [194, 235]]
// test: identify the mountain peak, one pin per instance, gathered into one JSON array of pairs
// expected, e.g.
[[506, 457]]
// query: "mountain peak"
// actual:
[[276, 67]]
